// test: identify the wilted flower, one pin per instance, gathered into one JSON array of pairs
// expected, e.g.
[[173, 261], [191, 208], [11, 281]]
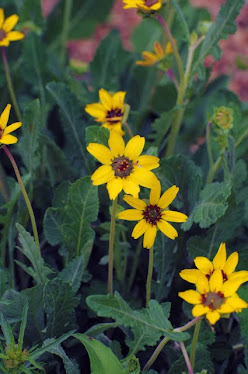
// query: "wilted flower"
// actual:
[[6, 27], [158, 55], [5, 137]]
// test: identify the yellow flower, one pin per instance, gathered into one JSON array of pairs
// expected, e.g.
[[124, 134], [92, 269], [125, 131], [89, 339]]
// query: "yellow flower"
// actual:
[[109, 111], [152, 58], [5, 137], [143, 5], [206, 267], [214, 297], [153, 215], [6, 25], [123, 168]]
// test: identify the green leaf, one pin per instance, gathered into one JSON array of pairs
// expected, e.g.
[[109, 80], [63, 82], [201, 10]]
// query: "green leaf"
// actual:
[[97, 134], [145, 34], [167, 90], [30, 11], [39, 271], [23, 325], [147, 325], [59, 304], [49, 344], [73, 273], [102, 359], [184, 26], [100, 328]]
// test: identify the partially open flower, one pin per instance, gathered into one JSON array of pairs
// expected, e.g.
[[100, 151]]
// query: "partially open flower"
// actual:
[[145, 6], [6, 27], [5, 137], [158, 55]]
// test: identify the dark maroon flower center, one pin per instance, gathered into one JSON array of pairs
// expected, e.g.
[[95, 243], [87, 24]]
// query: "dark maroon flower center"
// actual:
[[213, 300], [152, 214], [112, 114], [225, 278], [122, 166], [2, 34], [150, 3], [1, 133]]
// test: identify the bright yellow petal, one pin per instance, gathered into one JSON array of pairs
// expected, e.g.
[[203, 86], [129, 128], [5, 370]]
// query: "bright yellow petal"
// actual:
[[226, 308], [102, 175], [15, 35], [220, 258], [236, 302], [118, 100], [168, 48], [12, 127], [231, 263], [239, 274], [171, 216], [114, 187], [190, 275], [168, 196], [213, 316], [231, 286], [10, 23], [203, 264], [1, 17], [134, 147], [155, 193], [4, 42], [159, 50], [140, 228], [148, 162], [167, 229], [202, 284], [96, 110], [131, 215], [105, 98], [8, 139], [130, 187], [114, 127], [191, 296], [143, 177], [5, 117], [199, 310], [116, 144], [134, 202], [216, 281], [100, 152], [149, 236]]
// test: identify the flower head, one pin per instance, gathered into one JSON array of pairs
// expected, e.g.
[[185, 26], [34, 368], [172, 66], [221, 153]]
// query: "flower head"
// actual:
[[109, 111], [5, 137], [158, 55], [145, 6], [123, 167], [153, 215], [220, 261], [214, 297], [6, 27]]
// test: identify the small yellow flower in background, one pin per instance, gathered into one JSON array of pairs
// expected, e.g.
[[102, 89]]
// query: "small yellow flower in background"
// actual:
[[153, 215], [220, 261], [6, 27], [152, 58], [109, 111], [143, 5], [123, 167], [5, 137], [214, 297]]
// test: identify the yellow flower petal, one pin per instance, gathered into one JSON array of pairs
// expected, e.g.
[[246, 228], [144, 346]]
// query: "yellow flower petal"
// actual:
[[168, 196], [149, 162], [131, 215], [130, 187], [105, 98], [155, 193], [4, 42], [1, 17], [118, 100], [5, 117], [149, 236], [216, 281], [231, 286], [100, 152], [190, 275], [231, 263], [236, 302], [202, 284], [172, 216], [140, 228], [143, 177], [167, 229], [199, 310], [203, 264], [158, 50], [220, 258], [213, 316], [15, 35], [10, 23], [102, 175], [225, 308], [114, 187], [96, 110], [8, 139], [191, 296], [114, 127], [12, 127], [116, 144], [134, 202], [134, 147], [239, 274]]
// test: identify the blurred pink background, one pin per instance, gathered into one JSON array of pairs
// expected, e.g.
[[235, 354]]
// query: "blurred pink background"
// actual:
[[235, 47]]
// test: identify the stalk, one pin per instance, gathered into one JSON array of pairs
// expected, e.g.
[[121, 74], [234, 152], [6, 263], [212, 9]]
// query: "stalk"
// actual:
[[111, 246], [149, 277]]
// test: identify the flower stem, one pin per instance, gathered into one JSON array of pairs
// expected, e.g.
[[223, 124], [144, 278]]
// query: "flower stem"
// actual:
[[186, 358], [25, 196], [65, 30], [134, 265], [209, 149], [130, 133], [194, 343], [161, 345], [10, 85], [213, 169], [111, 246], [149, 277]]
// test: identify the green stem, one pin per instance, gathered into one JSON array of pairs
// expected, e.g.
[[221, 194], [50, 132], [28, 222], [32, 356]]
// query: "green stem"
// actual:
[[65, 30], [111, 246], [161, 345], [25, 196], [10, 85], [149, 277], [186, 358], [241, 138], [134, 265], [213, 169], [130, 133], [209, 148], [194, 343]]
